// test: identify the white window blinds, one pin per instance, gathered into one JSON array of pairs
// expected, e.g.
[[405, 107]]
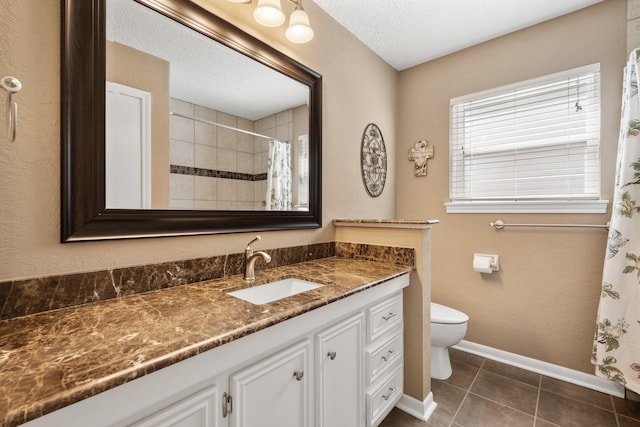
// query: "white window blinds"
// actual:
[[537, 140]]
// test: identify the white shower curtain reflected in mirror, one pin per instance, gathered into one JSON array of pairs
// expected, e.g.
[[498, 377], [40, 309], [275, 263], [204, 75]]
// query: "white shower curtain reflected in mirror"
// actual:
[[616, 349], [278, 196]]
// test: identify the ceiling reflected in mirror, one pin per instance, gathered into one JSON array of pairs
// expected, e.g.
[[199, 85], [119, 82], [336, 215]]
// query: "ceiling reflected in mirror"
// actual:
[[203, 71]]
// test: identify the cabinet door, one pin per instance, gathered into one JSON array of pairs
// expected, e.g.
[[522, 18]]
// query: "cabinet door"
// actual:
[[274, 392], [339, 374], [198, 410]]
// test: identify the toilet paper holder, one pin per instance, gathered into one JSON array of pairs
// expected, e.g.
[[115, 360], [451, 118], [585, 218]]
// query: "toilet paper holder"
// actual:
[[486, 263]]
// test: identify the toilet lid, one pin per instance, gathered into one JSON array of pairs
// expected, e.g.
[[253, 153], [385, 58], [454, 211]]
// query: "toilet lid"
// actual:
[[444, 314]]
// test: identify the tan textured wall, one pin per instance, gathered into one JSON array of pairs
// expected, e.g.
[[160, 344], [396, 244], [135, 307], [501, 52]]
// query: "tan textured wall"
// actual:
[[140, 70], [542, 304], [358, 88]]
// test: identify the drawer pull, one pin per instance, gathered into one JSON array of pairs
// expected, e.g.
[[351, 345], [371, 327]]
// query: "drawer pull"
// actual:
[[332, 355], [388, 356], [298, 375], [391, 391], [389, 316], [227, 405]]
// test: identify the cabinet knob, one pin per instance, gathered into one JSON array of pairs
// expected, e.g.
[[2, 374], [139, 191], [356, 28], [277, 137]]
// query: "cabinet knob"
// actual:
[[332, 355], [298, 375], [389, 316], [391, 391]]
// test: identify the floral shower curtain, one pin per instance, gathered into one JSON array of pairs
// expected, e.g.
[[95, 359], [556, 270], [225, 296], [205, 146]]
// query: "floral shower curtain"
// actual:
[[616, 350], [279, 176]]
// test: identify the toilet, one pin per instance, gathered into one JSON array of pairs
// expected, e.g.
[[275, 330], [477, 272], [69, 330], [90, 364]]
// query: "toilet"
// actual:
[[448, 327]]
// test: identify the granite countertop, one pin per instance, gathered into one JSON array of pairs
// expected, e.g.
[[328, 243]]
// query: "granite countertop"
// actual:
[[50, 360]]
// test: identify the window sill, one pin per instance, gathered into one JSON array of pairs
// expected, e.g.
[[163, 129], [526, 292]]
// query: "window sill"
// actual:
[[582, 206]]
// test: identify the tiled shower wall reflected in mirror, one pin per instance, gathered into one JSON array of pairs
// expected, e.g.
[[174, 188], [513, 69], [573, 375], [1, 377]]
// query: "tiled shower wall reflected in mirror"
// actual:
[[217, 168]]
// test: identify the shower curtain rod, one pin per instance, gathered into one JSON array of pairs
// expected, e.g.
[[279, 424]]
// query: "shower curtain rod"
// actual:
[[229, 127], [499, 225]]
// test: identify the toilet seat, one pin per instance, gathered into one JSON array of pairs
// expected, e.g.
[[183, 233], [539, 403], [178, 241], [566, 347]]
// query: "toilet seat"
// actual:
[[446, 315]]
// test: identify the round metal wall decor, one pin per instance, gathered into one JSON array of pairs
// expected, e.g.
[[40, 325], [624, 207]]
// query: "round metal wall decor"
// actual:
[[373, 158]]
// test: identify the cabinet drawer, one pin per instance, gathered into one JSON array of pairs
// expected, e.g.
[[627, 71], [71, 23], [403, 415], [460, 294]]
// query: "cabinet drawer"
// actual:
[[382, 397], [383, 357], [384, 316]]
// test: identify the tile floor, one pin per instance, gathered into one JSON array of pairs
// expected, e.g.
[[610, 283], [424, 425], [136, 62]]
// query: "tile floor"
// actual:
[[485, 393]]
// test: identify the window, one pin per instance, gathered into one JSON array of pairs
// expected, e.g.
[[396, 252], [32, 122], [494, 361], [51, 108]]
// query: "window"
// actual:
[[529, 147]]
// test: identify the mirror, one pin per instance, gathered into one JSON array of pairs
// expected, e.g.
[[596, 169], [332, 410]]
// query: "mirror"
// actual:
[[237, 130], [189, 87]]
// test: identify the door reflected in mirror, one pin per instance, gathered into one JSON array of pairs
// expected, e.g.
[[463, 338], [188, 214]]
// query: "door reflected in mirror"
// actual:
[[193, 125]]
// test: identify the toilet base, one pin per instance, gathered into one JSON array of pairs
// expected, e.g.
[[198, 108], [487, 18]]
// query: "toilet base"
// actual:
[[440, 363]]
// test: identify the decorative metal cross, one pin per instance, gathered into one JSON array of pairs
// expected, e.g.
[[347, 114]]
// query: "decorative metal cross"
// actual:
[[419, 154]]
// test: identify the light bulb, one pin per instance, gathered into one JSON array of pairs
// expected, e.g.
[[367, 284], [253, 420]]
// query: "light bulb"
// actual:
[[269, 13], [299, 30]]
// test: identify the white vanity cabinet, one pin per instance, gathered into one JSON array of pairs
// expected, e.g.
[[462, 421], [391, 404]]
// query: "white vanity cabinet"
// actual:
[[339, 365], [339, 374], [384, 357], [275, 391]]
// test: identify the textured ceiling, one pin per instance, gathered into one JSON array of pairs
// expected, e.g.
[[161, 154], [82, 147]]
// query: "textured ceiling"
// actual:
[[409, 32]]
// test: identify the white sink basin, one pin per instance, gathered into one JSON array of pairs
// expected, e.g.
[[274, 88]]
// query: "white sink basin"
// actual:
[[274, 291]]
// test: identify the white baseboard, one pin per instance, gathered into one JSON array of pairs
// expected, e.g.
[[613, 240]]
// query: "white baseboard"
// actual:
[[549, 369], [413, 407]]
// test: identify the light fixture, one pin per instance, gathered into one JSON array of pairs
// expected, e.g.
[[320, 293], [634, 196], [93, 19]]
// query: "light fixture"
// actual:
[[299, 30], [269, 13]]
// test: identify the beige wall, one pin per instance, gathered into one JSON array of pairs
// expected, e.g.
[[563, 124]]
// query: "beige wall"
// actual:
[[140, 70], [358, 88], [542, 304]]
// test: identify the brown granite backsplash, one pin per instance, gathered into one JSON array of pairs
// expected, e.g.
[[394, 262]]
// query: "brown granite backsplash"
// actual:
[[29, 296], [23, 297], [364, 252]]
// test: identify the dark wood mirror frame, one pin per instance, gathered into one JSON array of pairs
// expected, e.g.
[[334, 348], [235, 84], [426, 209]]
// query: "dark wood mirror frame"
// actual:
[[84, 214]]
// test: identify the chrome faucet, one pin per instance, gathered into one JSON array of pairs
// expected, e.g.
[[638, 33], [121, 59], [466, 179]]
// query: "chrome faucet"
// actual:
[[250, 259]]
